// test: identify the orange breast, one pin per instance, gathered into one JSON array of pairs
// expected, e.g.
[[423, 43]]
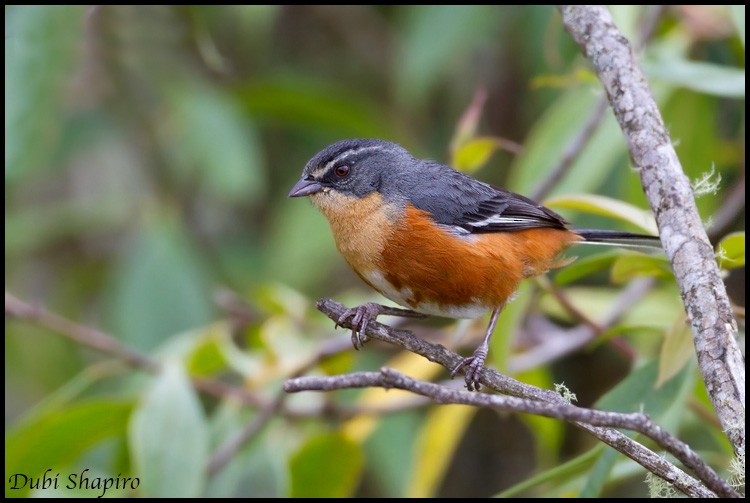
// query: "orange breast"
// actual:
[[438, 272]]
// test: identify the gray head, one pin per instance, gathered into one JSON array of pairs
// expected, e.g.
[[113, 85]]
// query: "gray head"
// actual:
[[351, 167]]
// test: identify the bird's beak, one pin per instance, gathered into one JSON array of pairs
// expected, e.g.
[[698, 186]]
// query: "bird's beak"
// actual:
[[305, 187]]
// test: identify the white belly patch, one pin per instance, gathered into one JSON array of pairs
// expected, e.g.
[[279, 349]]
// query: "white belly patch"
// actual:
[[403, 296]]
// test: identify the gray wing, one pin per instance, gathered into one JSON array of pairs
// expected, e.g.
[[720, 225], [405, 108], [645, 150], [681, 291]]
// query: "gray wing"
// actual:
[[455, 199]]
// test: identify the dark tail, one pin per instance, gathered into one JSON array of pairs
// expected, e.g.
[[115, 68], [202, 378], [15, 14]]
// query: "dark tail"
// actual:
[[618, 238]]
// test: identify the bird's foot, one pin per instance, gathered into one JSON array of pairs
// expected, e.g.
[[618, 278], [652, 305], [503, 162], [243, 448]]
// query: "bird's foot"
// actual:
[[361, 317], [473, 365], [364, 314]]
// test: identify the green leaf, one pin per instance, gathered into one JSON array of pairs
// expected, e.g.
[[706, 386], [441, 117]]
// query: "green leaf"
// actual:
[[628, 19], [210, 137], [259, 469], [475, 153], [731, 250], [435, 39], [169, 438], [598, 475], [314, 105], [467, 125], [390, 448], [42, 46], [160, 287], [207, 357], [597, 301], [289, 242], [585, 267], [550, 136], [628, 266], [606, 206], [327, 466], [703, 77], [559, 474], [550, 433], [637, 392], [57, 438], [513, 317]]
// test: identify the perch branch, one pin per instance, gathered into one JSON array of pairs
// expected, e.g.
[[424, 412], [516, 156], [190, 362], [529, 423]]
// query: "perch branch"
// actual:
[[530, 394]]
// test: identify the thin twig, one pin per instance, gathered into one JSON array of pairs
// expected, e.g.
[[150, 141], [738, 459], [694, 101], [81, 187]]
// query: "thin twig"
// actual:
[[731, 207], [80, 334], [565, 342], [576, 145], [227, 451], [573, 148], [549, 287], [105, 343]]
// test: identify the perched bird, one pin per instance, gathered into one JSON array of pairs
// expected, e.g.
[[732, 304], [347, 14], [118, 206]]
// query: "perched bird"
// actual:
[[433, 239]]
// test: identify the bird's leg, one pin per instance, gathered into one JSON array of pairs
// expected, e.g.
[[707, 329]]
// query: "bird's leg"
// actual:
[[364, 314], [475, 363]]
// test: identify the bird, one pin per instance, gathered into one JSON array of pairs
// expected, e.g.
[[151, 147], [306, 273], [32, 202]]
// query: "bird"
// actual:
[[436, 240]]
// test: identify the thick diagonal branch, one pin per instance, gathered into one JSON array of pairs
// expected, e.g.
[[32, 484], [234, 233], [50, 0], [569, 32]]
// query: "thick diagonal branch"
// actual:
[[671, 198]]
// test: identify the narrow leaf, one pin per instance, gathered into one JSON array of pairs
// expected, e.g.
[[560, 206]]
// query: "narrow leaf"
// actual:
[[475, 153], [676, 350], [628, 266], [606, 206], [708, 78], [437, 442]]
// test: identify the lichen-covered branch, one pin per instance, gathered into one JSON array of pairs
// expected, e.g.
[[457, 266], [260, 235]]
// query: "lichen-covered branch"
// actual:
[[671, 198]]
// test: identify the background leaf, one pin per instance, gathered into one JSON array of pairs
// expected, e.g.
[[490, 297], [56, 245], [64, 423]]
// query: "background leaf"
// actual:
[[609, 207], [336, 478], [436, 445], [212, 138], [159, 287], [731, 250], [168, 438], [475, 153], [702, 77], [59, 437], [676, 350], [41, 51]]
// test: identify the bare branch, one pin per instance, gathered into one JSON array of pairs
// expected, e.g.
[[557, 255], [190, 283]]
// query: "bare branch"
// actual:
[[537, 397], [86, 336], [107, 344], [670, 196], [227, 451]]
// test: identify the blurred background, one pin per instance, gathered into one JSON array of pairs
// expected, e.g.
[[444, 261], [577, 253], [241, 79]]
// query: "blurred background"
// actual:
[[148, 154]]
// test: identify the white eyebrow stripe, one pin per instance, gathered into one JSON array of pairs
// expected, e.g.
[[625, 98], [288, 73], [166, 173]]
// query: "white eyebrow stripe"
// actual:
[[348, 153]]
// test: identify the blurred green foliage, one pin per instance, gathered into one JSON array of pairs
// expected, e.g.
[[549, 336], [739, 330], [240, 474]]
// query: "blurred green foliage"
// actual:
[[148, 153]]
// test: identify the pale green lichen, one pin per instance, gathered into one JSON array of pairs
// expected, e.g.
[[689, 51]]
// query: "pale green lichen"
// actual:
[[659, 488], [567, 395]]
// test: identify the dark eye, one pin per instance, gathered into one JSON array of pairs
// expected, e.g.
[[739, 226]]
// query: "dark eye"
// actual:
[[341, 171]]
